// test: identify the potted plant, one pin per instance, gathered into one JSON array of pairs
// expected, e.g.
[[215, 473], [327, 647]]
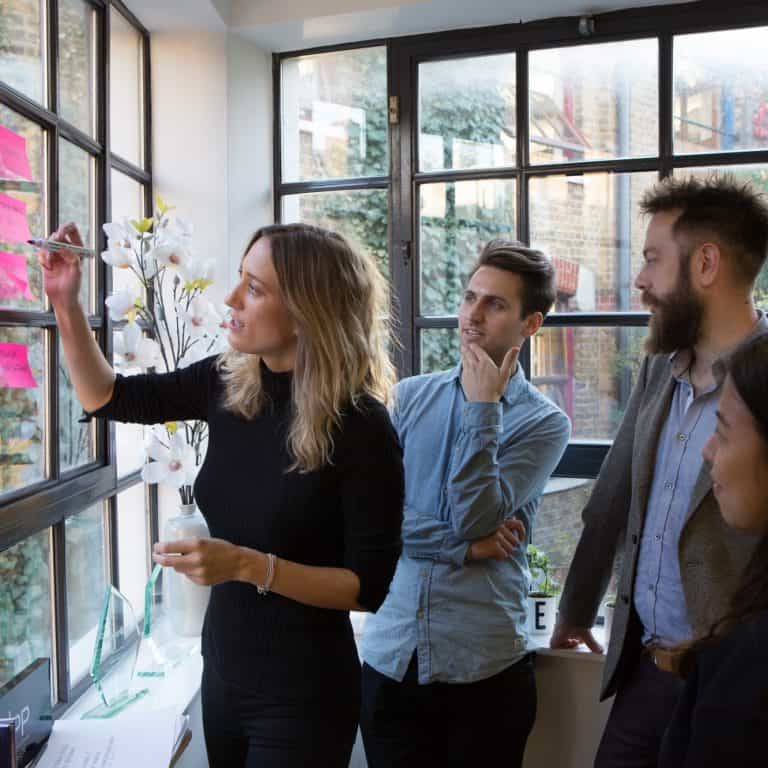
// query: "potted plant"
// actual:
[[542, 597]]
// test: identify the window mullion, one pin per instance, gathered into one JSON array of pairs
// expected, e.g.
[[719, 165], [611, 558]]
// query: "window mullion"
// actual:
[[60, 619]]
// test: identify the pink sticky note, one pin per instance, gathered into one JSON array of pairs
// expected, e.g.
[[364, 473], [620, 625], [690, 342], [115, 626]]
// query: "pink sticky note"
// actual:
[[14, 279], [15, 372], [13, 154], [13, 220]]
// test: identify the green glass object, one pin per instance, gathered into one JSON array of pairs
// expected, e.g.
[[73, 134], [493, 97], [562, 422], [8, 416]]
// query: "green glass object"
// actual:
[[161, 647], [115, 652]]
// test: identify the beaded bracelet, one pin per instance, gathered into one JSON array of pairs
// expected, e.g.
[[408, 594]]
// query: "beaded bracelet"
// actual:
[[271, 563]]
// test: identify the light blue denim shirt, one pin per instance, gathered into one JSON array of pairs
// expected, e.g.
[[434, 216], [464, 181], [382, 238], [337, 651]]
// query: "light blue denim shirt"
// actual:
[[658, 593], [468, 466]]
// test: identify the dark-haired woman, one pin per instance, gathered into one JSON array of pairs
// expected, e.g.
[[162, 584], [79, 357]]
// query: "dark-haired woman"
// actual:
[[722, 717]]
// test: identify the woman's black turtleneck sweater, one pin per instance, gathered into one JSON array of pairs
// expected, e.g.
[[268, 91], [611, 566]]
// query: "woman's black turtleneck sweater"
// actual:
[[346, 515]]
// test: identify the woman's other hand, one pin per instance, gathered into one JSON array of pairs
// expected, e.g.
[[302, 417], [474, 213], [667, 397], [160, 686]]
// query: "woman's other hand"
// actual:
[[204, 561], [61, 269]]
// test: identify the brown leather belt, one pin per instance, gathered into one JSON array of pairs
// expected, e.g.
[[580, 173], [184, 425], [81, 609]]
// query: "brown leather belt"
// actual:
[[665, 659]]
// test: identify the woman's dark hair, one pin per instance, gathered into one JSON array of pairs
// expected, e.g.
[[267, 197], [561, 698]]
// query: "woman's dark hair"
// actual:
[[748, 369]]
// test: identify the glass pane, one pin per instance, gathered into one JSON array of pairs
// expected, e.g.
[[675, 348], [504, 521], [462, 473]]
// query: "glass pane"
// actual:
[[558, 521], [594, 102], [126, 90], [360, 215], [455, 220], [591, 228], [127, 202], [77, 203], [25, 605], [77, 32], [129, 444], [132, 545], [129, 440], [22, 65], [334, 115], [168, 502], [467, 113], [86, 557], [439, 349], [588, 373], [720, 91], [757, 175], [22, 209], [76, 440], [22, 408]]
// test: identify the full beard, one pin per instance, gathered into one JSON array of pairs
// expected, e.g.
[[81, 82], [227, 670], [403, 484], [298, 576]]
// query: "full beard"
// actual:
[[676, 321]]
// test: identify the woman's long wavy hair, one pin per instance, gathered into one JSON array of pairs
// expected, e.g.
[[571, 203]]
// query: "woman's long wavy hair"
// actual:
[[339, 301], [748, 369]]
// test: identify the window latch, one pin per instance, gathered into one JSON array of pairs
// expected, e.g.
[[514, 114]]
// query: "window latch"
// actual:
[[394, 110]]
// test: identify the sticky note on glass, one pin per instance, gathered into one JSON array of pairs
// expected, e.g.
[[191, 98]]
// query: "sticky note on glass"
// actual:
[[15, 372], [13, 220], [14, 278], [13, 155]]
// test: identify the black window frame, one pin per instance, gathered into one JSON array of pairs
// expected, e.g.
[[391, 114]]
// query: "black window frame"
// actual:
[[404, 54], [47, 504]]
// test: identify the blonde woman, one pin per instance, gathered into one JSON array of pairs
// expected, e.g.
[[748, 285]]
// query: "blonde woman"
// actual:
[[302, 487]]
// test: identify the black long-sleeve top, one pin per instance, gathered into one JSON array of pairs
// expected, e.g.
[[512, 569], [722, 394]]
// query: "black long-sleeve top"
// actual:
[[347, 514], [721, 718]]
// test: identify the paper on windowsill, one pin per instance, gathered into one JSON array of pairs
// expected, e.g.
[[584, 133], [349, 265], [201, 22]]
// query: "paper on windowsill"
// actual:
[[127, 741]]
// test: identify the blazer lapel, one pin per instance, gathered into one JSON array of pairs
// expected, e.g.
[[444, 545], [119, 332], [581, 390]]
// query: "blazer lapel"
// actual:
[[647, 441]]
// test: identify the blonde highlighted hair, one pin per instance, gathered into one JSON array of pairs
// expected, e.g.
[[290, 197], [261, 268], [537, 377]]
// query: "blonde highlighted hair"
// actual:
[[339, 300]]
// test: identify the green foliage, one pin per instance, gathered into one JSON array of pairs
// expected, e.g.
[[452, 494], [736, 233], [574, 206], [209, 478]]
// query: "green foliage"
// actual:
[[24, 605], [448, 244], [542, 582]]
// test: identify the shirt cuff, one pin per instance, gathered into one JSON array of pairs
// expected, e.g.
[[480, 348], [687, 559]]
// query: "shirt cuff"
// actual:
[[482, 414]]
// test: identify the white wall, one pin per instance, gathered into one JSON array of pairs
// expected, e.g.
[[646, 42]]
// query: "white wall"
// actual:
[[212, 139], [249, 145]]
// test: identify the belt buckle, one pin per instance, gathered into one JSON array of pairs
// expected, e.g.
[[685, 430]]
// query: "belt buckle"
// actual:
[[665, 659]]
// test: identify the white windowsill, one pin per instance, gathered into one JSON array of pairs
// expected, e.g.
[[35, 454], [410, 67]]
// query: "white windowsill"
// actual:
[[540, 644]]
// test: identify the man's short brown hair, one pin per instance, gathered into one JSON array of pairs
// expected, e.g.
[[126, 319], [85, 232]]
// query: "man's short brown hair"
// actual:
[[535, 270], [731, 213]]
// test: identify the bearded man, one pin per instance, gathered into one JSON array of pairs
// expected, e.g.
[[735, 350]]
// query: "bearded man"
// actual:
[[705, 244]]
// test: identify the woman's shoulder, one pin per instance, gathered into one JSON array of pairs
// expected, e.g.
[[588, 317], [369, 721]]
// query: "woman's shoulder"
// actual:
[[366, 425]]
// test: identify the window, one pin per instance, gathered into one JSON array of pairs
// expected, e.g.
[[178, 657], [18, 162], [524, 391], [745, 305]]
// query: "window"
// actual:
[[62, 504], [527, 132]]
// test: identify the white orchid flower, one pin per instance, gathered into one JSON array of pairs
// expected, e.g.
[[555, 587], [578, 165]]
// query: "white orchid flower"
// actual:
[[123, 303], [174, 465], [133, 350], [119, 257], [180, 229], [198, 273], [171, 254], [201, 317], [120, 233]]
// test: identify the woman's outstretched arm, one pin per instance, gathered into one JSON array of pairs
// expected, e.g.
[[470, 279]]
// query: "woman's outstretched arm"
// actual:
[[91, 374]]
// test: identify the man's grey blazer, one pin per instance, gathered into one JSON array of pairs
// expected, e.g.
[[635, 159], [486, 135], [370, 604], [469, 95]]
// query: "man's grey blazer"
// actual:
[[712, 555]]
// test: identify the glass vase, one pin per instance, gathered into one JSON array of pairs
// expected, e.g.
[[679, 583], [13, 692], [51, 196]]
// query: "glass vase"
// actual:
[[187, 601]]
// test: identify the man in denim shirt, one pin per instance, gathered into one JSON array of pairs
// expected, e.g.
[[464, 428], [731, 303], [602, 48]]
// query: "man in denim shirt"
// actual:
[[447, 678]]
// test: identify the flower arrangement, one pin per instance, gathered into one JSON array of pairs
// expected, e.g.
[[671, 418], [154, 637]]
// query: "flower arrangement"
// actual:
[[170, 323]]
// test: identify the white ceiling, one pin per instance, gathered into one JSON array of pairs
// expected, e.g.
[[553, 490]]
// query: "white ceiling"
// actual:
[[280, 25]]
